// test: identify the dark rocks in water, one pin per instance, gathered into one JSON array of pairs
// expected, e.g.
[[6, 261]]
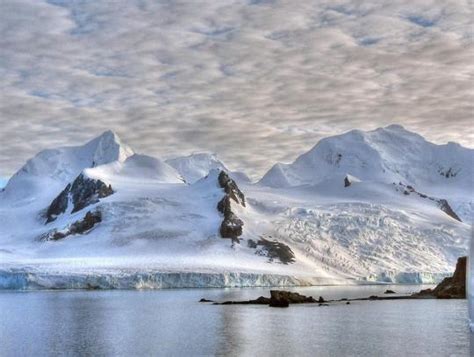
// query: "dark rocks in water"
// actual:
[[348, 303], [425, 293], [453, 287], [231, 226], [323, 305], [279, 303], [321, 299], [83, 192], [278, 296], [388, 291], [90, 286], [275, 250], [79, 227], [446, 208], [261, 301], [205, 300], [373, 297]]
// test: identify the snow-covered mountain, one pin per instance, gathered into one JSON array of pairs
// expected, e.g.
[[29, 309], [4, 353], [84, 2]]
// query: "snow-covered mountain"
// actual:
[[390, 154], [385, 155], [384, 205], [196, 166], [51, 169]]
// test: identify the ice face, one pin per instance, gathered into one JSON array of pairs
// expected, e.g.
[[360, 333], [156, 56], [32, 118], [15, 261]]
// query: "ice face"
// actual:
[[471, 283]]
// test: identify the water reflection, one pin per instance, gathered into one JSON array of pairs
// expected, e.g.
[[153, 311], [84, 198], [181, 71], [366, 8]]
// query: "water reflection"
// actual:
[[173, 323]]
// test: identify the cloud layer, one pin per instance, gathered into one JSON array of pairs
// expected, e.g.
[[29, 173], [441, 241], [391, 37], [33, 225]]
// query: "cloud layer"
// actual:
[[254, 81]]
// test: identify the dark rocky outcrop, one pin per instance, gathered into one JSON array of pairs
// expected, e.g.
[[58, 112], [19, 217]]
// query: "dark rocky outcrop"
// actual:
[[231, 226], [347, 182], [273, 250], [453, 287], [442, 203], [388, 291], [82, 192], [450, 172], [231, 188], [86, 191], [259, 301], [87, 223], [205, 300], [59, 205], [278, 298], [79, 227], [279, 303], [446, 208]]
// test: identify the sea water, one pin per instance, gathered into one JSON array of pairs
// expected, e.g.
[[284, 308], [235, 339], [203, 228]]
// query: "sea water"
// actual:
[[174, 323]]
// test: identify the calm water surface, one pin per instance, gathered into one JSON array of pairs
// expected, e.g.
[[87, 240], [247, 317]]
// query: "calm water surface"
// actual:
[[174, 323]]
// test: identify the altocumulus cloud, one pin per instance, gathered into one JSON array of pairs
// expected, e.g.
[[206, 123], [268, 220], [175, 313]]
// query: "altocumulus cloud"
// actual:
[[254, 81]]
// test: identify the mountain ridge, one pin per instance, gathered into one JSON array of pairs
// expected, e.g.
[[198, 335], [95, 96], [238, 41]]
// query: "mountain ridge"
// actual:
[[333, 215]]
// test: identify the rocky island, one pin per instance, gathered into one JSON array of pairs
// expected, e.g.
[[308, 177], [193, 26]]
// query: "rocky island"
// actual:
[[453, 287]]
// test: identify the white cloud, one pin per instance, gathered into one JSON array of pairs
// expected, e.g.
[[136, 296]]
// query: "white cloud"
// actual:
[[254, 81]]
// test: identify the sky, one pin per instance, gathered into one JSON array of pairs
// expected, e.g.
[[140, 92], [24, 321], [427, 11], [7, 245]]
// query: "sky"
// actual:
[[255, 81]]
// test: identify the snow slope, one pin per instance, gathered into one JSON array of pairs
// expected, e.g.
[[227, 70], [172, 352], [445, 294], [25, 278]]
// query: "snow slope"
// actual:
[[159, 226]]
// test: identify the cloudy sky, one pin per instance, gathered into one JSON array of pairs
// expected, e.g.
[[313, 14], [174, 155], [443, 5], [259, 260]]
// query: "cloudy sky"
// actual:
[[254, 81]]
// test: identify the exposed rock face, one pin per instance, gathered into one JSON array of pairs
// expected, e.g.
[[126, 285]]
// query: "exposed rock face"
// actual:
[[446, 208], [83, 192], [59, 205], [86, 191], [273, 250], [450, 288], [231, 226], [278, 298], [442, 203], [79, 227], [347, 182], [231, 188]]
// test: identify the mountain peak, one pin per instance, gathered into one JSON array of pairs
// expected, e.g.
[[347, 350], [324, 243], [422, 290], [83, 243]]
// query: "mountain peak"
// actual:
[[395, 127], [109, 136], [62, 165], [196, 166], [108, 147]]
